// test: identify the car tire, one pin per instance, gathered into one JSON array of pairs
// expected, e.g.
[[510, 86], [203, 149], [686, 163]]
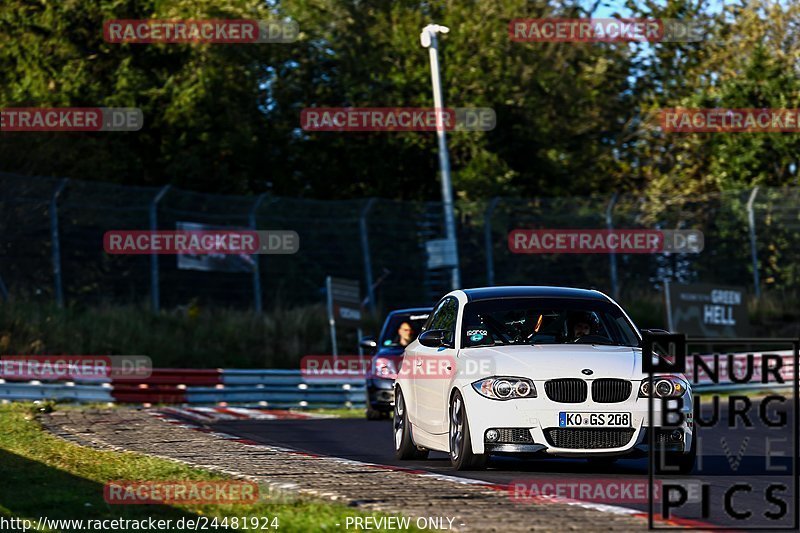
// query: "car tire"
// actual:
[[374, 414], [682, 464], [461, 456], [686, 461], [404, 447]]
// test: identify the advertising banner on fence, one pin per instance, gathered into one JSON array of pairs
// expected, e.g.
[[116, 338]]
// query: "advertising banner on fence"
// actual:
[[702, 310], [213, 262], [345, 298]]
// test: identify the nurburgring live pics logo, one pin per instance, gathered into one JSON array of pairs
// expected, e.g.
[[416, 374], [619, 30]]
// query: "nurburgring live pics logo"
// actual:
[[751, 424]]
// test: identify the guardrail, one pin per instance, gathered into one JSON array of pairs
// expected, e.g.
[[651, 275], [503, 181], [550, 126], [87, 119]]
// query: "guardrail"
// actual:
[[35, 390], [276, 388], [273, 388]]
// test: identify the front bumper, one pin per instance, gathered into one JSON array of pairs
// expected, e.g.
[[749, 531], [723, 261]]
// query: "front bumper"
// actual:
[[540, 416], [380, 393]]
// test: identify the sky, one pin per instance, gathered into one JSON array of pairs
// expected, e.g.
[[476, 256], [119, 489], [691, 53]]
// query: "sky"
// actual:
[[610, 7]]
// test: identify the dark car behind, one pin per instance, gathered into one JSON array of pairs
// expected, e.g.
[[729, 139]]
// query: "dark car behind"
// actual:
[[387, 354]]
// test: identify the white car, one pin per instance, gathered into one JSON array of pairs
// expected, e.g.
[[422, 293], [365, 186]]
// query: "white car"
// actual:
[[531, 371]]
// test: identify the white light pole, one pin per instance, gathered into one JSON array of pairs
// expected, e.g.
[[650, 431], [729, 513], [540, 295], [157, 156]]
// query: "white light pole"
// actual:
[[429, 41]]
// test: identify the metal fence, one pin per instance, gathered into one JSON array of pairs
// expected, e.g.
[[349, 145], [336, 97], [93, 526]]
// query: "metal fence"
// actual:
[[291, 388], [51, 244]]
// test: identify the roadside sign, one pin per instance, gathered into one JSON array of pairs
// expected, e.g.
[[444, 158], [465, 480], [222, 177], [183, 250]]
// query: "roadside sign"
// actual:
[[346, 298], [441, 253], [705, 310], [344, 305]]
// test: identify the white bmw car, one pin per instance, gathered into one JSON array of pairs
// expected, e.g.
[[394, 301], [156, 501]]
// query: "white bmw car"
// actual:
[[531, 371]]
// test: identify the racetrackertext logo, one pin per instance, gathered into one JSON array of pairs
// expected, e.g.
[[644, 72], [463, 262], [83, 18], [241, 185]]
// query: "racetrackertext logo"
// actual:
[[217, 31], [397, 119], [196, 242], [74, 367], [590, 490], [588, 241], [410, 366], [603, 30], [71, 119], [720, 120], [334, 367], [180, 492]]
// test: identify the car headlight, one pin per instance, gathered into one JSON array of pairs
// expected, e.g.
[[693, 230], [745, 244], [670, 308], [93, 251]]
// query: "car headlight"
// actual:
[[505, 388], [663, 387], [384, 368]]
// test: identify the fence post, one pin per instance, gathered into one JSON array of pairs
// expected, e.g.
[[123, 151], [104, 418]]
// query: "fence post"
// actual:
[[751, 222], [668, 305], [54, 237], [257, 303], [154, 286], [612, 257], [487, 239], [362, 224]]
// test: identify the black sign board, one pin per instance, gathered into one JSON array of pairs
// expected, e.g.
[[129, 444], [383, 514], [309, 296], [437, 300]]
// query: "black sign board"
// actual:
[[704, 310]]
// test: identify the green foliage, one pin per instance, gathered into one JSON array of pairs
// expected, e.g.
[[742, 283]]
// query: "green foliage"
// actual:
[[46, 474], [188, 338], [572, 118], [750, 62]]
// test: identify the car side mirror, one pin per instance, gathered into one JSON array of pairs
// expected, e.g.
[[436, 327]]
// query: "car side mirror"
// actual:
[[656, 331], [436, 338], [368, 343]]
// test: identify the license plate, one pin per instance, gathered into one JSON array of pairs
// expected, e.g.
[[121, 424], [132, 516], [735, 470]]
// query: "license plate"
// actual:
[[594, 420]]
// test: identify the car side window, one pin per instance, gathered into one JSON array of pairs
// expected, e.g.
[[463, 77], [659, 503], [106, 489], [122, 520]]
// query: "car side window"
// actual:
[[445, 316], [434, 314]]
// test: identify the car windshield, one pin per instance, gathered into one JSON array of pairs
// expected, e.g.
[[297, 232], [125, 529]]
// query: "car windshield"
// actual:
[[402, 328], [506, 321]]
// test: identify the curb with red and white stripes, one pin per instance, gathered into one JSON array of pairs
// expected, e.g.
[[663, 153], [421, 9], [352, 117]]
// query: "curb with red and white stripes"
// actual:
[[175, 417]]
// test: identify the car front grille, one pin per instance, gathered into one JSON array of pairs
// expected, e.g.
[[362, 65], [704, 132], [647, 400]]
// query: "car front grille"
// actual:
[[567, 390], [514, 436], [606, 390], [590, 439]]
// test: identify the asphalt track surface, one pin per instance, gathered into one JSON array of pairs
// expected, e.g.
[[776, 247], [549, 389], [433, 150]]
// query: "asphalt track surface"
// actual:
[[745, 461]]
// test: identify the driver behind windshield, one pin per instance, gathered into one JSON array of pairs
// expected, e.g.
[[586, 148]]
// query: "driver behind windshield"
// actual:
[[405, 334], [581, 326]]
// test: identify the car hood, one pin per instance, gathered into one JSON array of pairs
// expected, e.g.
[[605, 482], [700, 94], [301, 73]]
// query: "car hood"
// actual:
[[388, 351], [556, 361]]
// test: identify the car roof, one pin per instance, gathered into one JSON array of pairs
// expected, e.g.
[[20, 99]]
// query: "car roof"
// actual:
[[410, 310], [527, 291]]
